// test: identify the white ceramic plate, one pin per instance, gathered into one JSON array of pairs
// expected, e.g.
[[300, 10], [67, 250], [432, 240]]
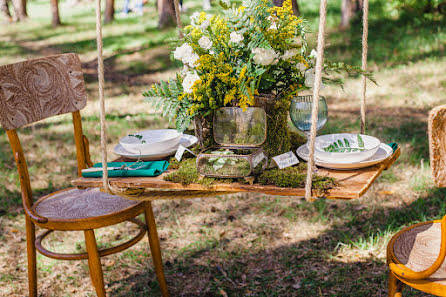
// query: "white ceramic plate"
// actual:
[[371, 145], [384, 151], [186, 140], [152, 141]]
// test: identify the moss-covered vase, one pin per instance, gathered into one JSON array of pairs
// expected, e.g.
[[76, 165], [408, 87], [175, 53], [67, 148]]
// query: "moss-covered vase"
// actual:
[[204, 131], [278, 138]]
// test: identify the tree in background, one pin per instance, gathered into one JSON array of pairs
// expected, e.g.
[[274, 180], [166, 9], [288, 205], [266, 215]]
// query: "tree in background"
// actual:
[[55, 17], [166, 13], [109, 14], [20, 12], [4, 9], [349, 8]]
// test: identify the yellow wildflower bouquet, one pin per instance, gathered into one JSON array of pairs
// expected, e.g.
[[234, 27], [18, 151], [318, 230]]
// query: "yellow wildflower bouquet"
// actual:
[[228, 59]]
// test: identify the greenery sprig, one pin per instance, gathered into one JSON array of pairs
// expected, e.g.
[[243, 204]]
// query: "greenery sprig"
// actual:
[[343, 146]]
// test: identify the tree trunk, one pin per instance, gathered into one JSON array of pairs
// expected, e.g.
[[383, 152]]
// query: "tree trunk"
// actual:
[[109, 11], [24, 8], [346, 13], [166, 13], [294, 2], [4, 9], [55, 18], [349, 8], [19, 9]]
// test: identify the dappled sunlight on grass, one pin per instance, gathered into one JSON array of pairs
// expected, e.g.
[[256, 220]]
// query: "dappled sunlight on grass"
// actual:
[[246, 244]]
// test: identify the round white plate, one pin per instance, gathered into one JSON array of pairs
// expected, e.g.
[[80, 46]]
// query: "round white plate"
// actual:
[[371, 145], [152, 141], [186, 140], [384, 151]]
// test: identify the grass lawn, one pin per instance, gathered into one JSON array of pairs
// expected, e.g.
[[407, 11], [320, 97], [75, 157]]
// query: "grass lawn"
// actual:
[[238, 245]]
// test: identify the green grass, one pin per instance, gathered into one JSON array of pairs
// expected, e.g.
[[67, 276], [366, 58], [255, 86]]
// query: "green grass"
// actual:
[[243, 245]]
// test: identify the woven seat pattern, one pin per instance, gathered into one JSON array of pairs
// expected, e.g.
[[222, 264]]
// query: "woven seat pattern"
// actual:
[[80, 204], [418, 248]]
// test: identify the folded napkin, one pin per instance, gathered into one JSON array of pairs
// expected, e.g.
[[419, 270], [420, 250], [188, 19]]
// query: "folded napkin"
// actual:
[[152, 168], [393, 145]]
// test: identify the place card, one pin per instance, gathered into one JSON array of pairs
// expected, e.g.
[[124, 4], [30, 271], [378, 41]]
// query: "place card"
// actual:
[[257, 159], [180, 151], [286, 160]]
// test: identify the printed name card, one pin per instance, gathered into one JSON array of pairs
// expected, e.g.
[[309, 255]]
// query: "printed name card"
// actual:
[[286, 160], [257, 159], [180, 151]]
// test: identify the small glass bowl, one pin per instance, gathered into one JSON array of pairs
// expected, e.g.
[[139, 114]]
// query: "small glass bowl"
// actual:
[[230, 162]]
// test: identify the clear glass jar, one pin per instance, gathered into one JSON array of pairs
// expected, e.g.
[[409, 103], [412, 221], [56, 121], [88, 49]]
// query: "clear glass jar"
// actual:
[[231, 162]]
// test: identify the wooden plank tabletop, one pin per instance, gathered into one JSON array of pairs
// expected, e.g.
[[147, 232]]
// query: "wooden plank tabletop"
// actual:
[[351, 184]]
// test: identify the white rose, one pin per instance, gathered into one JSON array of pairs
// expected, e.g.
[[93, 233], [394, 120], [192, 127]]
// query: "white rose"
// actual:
[[185, 70], [191, 60], [182, 52], [302, 67], [204, 25], [235, 37], [313, 54], [310, 78], [194, 17], [265, 56], [189, 81], [289, 54], [205, 43]]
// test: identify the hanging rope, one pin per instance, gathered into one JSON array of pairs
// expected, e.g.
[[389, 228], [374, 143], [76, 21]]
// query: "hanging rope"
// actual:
[[101, 95], [316, 89], [365, 33]]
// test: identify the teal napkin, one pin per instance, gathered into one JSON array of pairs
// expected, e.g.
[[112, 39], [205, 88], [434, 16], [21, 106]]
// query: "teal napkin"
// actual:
[[393, 145], [152, 168]]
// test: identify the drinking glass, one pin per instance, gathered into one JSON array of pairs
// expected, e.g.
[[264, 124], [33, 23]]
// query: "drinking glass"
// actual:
[[300, 113]]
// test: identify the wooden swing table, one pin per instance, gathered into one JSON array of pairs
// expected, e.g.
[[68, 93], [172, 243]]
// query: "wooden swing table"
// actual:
[[350, 185]]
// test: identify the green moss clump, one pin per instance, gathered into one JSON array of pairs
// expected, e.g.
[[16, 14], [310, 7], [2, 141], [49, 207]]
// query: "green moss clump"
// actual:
[[278, 135], [296, 140], [294, 177], [186, 173]]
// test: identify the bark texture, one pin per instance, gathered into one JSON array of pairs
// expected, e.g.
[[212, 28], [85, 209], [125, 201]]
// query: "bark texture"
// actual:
[[349, 8], [4, 9], [55, 17], [166, 13], [19, 10], [109, 11]]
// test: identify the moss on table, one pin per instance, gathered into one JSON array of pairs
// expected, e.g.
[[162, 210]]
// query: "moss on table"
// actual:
[[292, 177]]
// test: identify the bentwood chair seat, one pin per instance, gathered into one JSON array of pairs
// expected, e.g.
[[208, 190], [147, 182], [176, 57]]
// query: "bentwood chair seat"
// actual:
[[66, 208], [38, 89], [416, 254]]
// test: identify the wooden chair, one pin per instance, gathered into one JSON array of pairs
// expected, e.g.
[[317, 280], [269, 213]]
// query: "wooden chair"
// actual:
[[416, 254], [34, 90]]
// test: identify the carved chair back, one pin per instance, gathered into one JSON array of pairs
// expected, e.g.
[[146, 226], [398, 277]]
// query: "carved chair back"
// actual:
[[437, 144], [35, 90]]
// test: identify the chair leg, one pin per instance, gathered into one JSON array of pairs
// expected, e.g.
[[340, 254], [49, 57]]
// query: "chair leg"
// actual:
[[155, 248], [31, 253], [94, 263], [395, 286]]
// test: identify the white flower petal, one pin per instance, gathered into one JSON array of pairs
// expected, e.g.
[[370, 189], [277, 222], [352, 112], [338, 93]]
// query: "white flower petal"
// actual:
[[188, 82], [205, 43], [265, 57], [235, 37]]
